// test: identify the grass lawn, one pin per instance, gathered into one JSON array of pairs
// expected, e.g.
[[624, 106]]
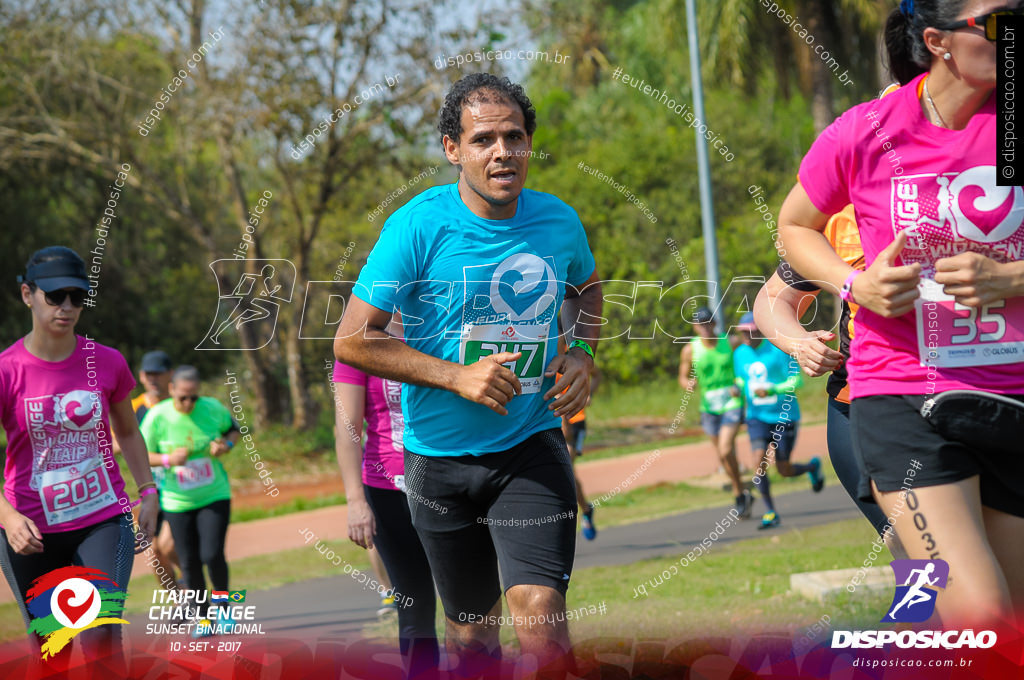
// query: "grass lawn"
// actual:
[[268, 571], [651, 502], [614, 416], [741, 588]]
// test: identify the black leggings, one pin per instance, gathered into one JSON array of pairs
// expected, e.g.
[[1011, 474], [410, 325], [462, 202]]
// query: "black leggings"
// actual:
[[199, 537], [107, 545], [410, 575], [840, 451]]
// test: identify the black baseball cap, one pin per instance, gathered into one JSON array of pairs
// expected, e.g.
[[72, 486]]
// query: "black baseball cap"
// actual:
[[62, 268], [156, 362], [703, 315]]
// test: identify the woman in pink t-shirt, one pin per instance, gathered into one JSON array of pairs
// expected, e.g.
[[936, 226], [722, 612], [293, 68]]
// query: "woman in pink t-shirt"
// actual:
[[64, 502], [378, 508], [942, 299]]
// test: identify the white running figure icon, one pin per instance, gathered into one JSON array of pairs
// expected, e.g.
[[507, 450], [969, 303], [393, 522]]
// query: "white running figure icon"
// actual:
[[916, 594]]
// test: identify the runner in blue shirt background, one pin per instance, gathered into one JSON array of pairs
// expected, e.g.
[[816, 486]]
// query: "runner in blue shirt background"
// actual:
[[769, 378]]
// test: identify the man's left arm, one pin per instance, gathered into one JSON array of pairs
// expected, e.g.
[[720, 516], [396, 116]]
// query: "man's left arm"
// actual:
[[582, 316]]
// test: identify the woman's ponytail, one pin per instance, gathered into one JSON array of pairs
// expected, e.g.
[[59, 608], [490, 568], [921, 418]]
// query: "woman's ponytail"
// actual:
[[908, 57]]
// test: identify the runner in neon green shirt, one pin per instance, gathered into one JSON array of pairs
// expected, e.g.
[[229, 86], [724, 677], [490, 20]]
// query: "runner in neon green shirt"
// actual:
[[196, 496], [709, 359]]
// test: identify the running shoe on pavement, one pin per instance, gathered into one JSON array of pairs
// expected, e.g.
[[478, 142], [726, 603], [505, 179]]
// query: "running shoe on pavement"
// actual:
[[387, 607], [744, 502], [589, 530], [817, 478], [769, 520]]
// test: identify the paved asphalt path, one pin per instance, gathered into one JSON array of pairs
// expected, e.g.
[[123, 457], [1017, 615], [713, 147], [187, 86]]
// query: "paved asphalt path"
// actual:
[[339, 606]]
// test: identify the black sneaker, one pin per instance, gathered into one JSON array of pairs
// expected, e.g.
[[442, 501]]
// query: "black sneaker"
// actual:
[[744, 503]]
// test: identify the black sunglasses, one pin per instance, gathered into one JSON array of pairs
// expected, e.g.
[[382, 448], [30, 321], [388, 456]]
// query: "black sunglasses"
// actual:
[[189, 397], [56, 298], [989, 21]]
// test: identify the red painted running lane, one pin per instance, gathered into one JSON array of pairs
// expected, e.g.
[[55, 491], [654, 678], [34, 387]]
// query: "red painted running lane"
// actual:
[[671, 464]]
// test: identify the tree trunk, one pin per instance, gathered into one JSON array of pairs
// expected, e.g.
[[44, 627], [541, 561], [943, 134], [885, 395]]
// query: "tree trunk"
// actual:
[[303, 407], [822, 106]]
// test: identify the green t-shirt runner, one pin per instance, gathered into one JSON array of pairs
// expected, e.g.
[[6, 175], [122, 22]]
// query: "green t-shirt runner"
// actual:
[[202, 479], [715, 376]]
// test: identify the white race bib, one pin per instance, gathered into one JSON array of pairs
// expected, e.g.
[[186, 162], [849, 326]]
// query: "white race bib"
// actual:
[[194, 473], [952, 335], [75, 491], [762, 401], [718, 399], [481, 341]]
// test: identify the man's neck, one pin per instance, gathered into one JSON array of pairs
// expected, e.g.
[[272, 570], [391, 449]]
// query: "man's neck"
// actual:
[[481, 207]]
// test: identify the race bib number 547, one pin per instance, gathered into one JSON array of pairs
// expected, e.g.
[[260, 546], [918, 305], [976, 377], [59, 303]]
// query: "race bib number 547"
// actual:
[[482, 341]]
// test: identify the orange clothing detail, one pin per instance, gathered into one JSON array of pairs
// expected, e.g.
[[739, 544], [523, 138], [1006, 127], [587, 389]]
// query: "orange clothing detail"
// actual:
[[142, 400], [579, 416], [843, 235]]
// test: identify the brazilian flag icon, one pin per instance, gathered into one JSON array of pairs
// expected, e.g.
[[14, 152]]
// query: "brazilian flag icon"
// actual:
[[237, 596]]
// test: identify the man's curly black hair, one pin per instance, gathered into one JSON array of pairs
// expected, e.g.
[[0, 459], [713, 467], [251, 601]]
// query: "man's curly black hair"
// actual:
[[475, 87]]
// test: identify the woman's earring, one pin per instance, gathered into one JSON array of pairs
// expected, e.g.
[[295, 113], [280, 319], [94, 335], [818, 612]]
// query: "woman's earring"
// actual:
[[947, 56]]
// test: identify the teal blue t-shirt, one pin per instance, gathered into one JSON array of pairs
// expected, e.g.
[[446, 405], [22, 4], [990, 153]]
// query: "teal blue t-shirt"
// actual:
[[768, 367], [468, 287]]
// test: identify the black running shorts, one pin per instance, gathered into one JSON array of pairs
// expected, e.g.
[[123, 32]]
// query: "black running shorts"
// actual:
[[889, 433], [513, 511]]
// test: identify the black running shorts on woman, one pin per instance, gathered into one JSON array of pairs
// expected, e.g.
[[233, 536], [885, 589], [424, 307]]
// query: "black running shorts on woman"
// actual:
[[511, 510], [889, 433]]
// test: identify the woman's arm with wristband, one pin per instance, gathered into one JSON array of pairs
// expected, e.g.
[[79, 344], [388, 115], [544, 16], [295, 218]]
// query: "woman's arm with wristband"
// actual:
[[884, 288], [133, 447]]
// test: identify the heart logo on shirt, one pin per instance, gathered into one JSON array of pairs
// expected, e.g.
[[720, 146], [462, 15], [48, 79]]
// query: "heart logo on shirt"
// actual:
[[517, 293], [983, 210], [77, 410], [523, 286]]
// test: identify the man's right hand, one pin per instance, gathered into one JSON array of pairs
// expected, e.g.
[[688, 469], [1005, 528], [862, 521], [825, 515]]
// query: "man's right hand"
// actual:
[[885, 289], [489, 383]]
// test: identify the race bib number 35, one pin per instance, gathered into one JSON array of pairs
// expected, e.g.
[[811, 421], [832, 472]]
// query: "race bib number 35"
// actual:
[[482, 341], [75, 491], [952, 335]]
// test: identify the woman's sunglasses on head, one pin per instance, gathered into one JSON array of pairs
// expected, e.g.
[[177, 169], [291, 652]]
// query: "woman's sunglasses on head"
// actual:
[[56, 298], [990, 21]]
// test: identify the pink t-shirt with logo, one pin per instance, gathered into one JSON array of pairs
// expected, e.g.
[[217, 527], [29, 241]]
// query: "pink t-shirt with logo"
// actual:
[[383, 462], [901, 172], [60, 471]]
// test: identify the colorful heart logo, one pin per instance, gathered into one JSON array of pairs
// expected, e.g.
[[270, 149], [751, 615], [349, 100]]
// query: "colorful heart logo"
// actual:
[[75, 603], [73, 612]]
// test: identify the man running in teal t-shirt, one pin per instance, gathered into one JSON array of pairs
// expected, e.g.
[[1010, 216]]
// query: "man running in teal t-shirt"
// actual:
[[479, 270]]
